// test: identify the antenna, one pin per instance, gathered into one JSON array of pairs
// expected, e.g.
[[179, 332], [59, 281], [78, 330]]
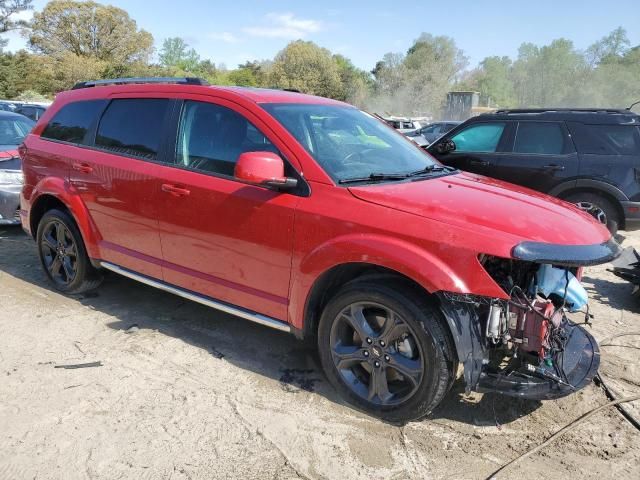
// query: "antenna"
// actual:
[[633, 105]]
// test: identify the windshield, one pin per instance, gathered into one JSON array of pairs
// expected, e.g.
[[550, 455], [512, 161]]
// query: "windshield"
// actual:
[[349, 143], [13, 130]]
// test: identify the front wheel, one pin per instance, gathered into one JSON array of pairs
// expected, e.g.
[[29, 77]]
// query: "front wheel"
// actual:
[[63, 255], [386, 349]]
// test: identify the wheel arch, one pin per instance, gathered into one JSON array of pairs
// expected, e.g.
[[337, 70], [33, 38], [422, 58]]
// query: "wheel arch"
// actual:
[[53, 193], [330, 282], [596, 190], [350, 256]]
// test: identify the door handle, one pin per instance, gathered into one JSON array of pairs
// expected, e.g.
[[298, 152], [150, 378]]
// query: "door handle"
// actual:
[[175, 190], [479, 163], [82, 167], [554, 167]]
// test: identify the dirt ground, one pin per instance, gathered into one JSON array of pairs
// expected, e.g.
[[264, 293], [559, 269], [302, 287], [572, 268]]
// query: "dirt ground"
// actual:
[[185, 392]]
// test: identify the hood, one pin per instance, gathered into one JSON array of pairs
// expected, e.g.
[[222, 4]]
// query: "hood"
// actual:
[[479, 203], [8, 152], [10, 160]]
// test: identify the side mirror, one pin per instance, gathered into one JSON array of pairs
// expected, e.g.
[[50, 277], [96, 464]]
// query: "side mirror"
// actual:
[[445, 146], [265, 169]]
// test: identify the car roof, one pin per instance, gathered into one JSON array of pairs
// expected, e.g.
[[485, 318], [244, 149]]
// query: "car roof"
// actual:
[[102, 89], [581, 115], [5, 115]]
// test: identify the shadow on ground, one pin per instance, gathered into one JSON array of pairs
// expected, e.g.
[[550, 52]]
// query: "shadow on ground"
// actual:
[[249, 346], [617, 295]]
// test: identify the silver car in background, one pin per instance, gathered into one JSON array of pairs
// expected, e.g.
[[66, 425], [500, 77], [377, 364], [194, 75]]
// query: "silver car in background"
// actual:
[[13, 129], [428, 134]]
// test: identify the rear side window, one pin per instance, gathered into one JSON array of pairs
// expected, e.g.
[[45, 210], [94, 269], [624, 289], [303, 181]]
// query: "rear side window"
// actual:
[[480, 137], [543, 138], [133, 127], [73, 122], [606, 139]]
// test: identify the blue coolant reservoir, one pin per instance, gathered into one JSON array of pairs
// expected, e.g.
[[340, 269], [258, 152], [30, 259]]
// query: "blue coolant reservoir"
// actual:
[[552, 280]]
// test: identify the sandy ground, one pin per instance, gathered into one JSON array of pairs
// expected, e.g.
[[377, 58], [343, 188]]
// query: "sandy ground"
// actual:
[[195, 394]]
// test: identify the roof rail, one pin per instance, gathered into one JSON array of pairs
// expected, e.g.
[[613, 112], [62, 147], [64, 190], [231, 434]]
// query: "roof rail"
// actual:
[[543, 110], [134, 80]]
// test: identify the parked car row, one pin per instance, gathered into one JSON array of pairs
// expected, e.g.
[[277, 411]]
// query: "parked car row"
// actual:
[[31, 110], [309, 216], [403, 124], [426, 135]]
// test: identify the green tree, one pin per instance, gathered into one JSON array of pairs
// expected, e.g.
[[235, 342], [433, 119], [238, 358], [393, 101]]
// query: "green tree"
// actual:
[[243, 77], [306, 67], [548, 76], [8, 8], [175, 52], [356, 84], [433, 64], [23, 71], [609, 48], [494, 82], [259, 70], [89, 30]]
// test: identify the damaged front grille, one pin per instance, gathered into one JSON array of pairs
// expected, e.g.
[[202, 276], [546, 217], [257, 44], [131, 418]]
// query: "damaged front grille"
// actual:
[[529, 347]]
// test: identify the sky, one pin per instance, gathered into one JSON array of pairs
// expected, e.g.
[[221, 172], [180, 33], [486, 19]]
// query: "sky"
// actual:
[[232, 32]]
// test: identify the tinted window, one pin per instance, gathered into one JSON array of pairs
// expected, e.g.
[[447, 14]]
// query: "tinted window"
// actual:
[[73, 121], [481, 137], [133, 127], [212, 137], [540, 138], [606, 139]]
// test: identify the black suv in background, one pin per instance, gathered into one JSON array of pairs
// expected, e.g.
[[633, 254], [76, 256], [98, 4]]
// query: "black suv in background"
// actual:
[[590, 157]]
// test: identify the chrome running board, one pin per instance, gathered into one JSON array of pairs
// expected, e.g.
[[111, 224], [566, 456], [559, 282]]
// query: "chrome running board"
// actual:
[[223, 307]]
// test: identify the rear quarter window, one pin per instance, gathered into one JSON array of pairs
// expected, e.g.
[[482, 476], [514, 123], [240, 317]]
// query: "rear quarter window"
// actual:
[[133, 127], [541, 138], [606, 139], [73, 122]]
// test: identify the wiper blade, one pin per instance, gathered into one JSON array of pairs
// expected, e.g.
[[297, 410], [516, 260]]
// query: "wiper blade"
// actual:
[[374, 177], [430, 169]]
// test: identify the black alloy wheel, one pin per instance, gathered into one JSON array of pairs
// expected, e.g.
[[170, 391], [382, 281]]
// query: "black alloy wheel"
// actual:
[[59, 253], [386, 348], [63, 254], [376, 353]]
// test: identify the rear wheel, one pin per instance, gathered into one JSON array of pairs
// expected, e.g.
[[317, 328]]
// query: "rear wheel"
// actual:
[[63, 255], [598, 206], [386, 349]]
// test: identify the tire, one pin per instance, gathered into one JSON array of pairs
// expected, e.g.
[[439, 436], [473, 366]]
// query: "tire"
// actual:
[[419, 339], [63, 255], [600, 207]]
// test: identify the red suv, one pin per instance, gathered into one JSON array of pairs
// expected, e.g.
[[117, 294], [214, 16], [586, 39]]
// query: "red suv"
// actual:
[[312, 217]]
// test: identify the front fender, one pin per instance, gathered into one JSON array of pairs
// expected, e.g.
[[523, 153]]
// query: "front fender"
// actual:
[[450, 272], [61, 190]]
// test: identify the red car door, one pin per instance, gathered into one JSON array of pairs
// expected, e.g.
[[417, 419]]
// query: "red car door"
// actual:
[[119, 185], [220, 237]]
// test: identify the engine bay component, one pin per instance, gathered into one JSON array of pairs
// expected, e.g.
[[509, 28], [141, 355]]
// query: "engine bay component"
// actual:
[[525, 346], [562, 283]]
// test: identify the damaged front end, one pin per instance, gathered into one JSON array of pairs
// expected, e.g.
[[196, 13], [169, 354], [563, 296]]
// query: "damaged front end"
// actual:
[[524, 345]]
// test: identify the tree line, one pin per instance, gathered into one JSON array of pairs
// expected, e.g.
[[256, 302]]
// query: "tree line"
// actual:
[[70, 41]]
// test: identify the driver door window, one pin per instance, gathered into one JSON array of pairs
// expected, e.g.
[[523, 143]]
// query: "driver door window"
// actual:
[[212, 137], [481, 137]]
